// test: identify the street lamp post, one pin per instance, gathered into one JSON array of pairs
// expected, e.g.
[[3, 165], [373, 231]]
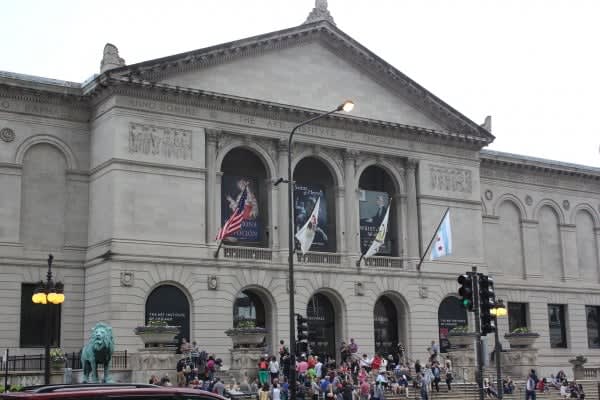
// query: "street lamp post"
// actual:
[[346, 106], [499, 310], [49, 293]]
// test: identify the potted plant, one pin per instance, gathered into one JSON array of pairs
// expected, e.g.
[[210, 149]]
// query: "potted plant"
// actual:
[[246, 334], [521, 338], [157, 333], [460, 337], [578, 361], [57, 358]]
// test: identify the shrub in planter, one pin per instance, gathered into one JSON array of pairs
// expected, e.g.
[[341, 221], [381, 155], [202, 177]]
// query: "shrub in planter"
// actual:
[[521, 338]]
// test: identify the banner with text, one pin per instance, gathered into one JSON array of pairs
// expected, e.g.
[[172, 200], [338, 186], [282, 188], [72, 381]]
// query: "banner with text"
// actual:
[[305, 198], [372, 206], [231, 191]]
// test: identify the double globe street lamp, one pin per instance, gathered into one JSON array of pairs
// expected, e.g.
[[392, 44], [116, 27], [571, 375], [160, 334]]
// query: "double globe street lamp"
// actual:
[[48, 293], [499, 310]]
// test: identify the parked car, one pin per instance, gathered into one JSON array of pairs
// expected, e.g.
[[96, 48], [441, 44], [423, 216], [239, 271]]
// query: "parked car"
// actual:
[[110, 391]]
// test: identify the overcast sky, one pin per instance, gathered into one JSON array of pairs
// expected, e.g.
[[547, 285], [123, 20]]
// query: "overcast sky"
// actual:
[[533, 65]]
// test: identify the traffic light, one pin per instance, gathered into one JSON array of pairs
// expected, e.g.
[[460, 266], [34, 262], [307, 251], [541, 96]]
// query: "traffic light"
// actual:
[[487, 301], [301, 334], [466, 291]]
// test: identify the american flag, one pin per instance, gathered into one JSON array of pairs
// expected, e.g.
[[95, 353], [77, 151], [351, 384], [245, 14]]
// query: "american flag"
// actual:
[[234, 223]]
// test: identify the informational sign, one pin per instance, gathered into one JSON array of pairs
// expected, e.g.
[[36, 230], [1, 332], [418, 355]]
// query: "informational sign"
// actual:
[[232, 188], [305, 198], [372, 208], [167, 303], [450, 315]]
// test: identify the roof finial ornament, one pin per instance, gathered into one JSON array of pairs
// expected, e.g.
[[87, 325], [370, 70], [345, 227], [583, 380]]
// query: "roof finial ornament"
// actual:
[[319, 13], [110, 58]]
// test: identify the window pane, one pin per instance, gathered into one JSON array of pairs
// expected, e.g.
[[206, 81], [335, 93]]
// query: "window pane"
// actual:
[[517, 316], [33, 320], [557, 325], [593, 328]]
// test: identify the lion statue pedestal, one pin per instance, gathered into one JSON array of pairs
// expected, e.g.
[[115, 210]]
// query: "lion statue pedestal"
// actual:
[[98, 350]]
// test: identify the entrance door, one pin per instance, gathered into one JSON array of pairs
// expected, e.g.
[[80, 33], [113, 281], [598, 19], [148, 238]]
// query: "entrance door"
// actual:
[[385, 318], [169, 304], [450, 314], [321, 326]]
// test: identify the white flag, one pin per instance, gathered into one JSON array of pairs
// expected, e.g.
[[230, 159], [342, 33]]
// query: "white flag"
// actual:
[[380, 238], [306, 234]]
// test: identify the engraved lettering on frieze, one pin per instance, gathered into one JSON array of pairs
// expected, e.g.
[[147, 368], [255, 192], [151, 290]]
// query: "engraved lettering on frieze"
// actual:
[[451, 179], [160, 141]]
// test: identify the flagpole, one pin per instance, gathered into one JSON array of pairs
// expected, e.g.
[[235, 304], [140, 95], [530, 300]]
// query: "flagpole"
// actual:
[[218, 249], [432, 239], [360, 259]]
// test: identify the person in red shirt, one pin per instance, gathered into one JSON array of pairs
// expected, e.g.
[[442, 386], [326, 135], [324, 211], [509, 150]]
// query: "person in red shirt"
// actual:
[[311, 362], [376, 363]]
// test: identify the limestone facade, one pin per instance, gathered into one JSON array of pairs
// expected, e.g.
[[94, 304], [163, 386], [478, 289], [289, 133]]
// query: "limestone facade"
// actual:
[[120, 178]]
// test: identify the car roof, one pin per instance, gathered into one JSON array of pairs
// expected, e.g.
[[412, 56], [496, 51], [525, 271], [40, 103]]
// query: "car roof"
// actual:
[[83, 391]]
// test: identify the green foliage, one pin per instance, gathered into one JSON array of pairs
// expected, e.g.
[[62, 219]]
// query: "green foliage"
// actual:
[[57, 355], [15, 388], [246, 324], [460, 329], [156, 323], [520, 330]]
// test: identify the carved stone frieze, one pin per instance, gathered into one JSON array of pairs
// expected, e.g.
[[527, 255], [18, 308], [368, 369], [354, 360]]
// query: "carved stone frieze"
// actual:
[[7, 135], [224, 140], [449, 179], [160, 141]]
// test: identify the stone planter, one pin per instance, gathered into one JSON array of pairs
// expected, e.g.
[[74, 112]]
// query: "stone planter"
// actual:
[[57, 364], [246, 337], [461, 340], [157, 336], [521, 340]]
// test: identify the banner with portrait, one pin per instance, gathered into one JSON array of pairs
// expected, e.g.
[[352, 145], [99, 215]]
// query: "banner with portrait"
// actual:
[[372, 206], [231, 190], [305, 198]]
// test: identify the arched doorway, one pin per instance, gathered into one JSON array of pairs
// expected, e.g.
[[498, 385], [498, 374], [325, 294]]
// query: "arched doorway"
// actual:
[[253, 308], [168, 303], [376, 189], [241, 169], [321, 326], [450, 315], [385, 321], [313, 181]]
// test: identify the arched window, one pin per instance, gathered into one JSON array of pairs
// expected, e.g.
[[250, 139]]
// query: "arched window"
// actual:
[[450, 315], [550, 246], [248, 308], [587, 255], [321, 326], [168, 303], [385, 318]]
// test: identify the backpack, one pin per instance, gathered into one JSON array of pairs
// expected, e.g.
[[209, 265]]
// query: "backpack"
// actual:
[[324, 385]]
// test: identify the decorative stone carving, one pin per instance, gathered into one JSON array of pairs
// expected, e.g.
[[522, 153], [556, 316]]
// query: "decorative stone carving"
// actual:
[[449, 179], [319, 13], [110, 58], [423, 292], [213, 282], [359, 289], [225, 140], [489, 195], [566, 205], [127, 278], [7, 135], [528, 200], [160, 141]]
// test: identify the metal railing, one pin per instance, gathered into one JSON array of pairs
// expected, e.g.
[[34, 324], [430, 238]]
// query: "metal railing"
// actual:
[[35, 362], [319, 258], [247, 253], [385, 262]]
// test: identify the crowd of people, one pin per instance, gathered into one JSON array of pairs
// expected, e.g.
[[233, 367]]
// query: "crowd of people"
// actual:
[[357, 377]]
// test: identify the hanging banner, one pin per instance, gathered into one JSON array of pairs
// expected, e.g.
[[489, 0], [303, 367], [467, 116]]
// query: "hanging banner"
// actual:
[[305, 199], [372, 206], [231, 191]]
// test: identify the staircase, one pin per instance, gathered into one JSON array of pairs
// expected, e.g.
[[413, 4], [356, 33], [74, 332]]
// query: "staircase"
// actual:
[[468, 391]]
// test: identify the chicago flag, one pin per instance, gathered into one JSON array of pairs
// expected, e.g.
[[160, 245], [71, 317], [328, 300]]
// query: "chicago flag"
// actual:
[[442, 244]]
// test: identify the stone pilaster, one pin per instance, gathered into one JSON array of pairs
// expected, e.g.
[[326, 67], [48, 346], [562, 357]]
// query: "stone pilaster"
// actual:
[[340, 219], [531, 249], [351, 203], [211, 194], [412, 225], [597, 234], [568, 241], [283, 225]]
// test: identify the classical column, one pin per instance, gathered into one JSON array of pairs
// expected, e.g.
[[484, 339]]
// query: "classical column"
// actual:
[[531, 249], [351, 204], [568, 242], [412, 225], [211, 193], [282, 227], [341, 223], [597, 234]]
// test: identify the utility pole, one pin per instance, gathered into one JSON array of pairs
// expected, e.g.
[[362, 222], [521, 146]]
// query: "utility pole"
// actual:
[[479, 344]]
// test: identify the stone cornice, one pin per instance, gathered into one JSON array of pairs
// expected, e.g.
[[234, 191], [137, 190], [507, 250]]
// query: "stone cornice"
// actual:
[[493, 159]]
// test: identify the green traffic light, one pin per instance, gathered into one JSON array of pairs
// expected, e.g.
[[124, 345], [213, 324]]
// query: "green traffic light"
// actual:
[[466, 303]]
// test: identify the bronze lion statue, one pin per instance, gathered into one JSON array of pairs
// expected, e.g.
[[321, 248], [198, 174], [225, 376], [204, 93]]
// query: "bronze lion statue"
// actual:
[[98, 350]]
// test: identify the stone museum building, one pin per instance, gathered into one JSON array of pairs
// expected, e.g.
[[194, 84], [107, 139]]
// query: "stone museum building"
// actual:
[[127, 177]]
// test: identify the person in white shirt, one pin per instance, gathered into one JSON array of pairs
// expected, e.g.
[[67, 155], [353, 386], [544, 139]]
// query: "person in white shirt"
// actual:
[[274, 368], [564, 391], [530, 388], [318, 368], [365, 363]]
